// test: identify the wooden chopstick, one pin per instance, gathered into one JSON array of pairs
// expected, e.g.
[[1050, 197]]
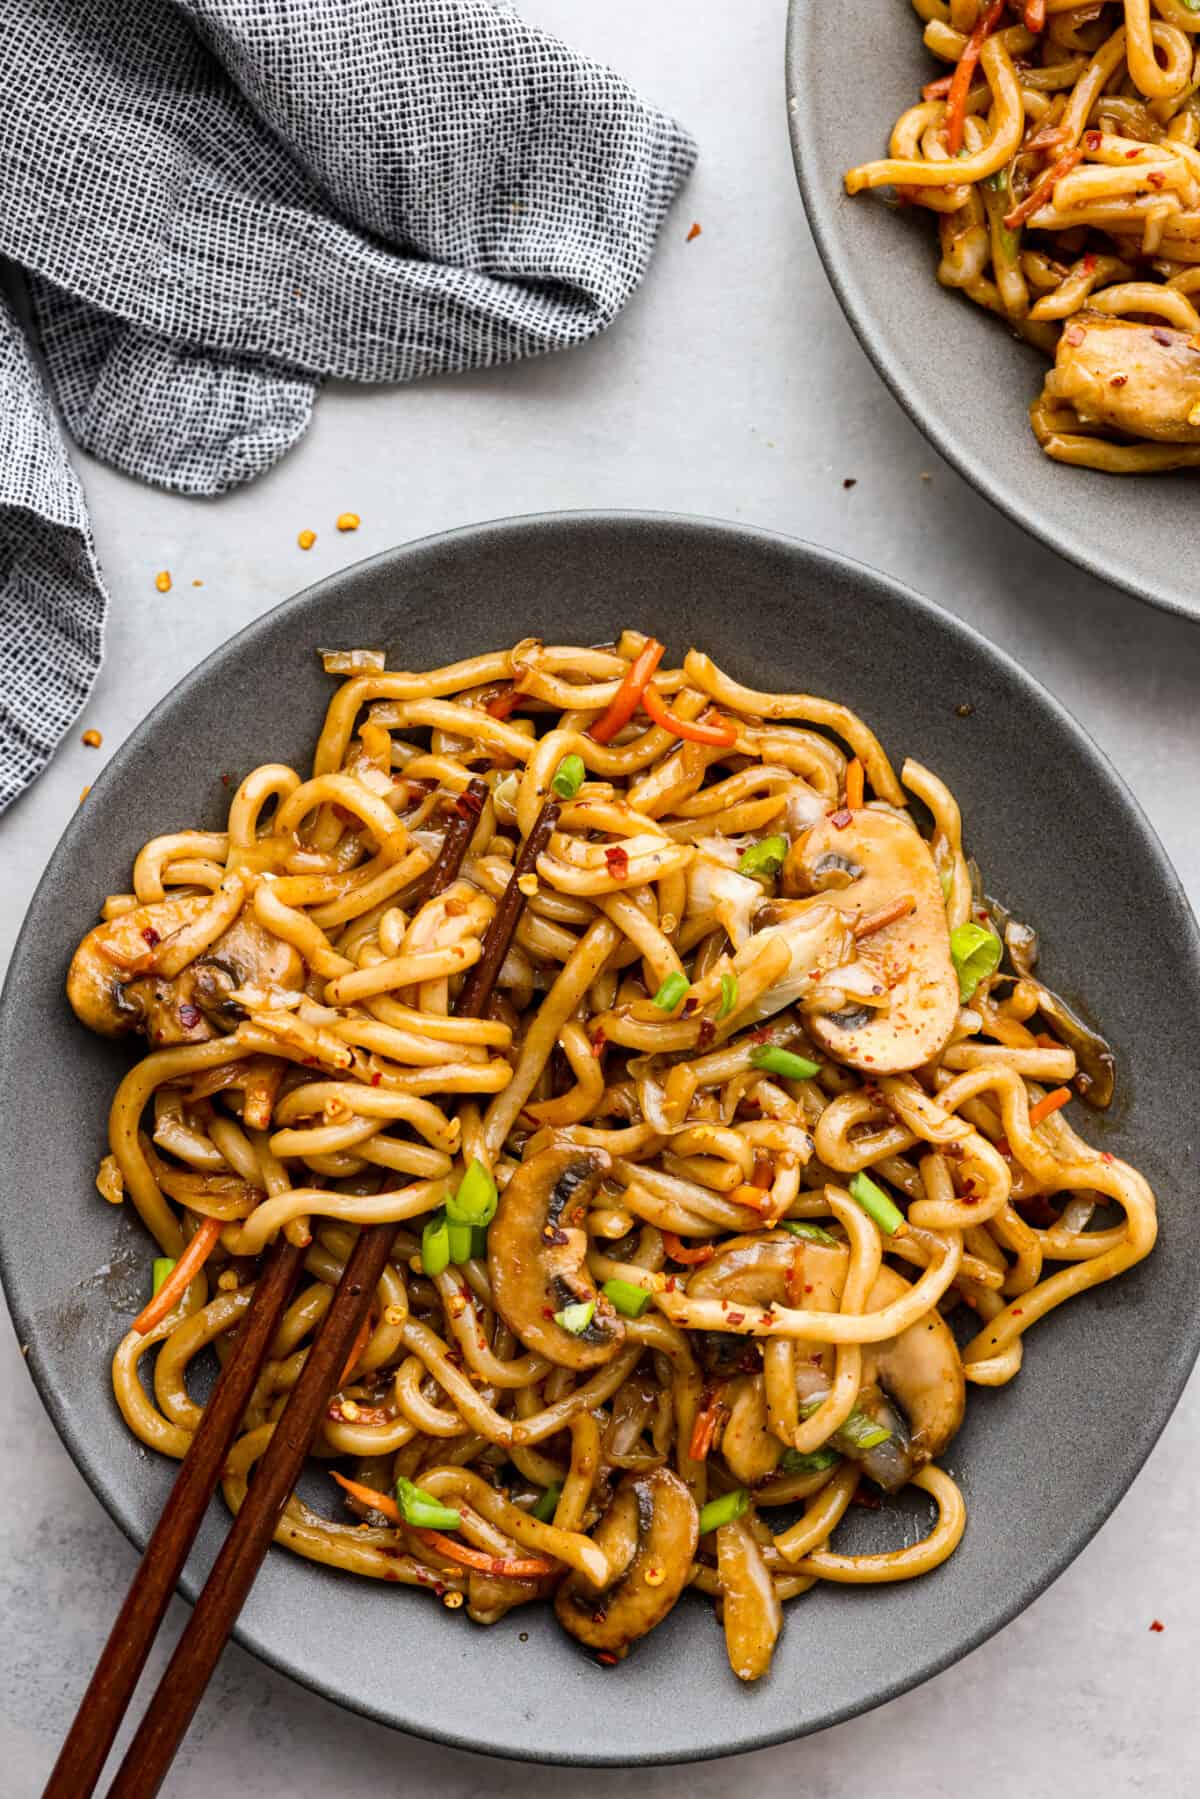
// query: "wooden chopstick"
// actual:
[[181, 1688]]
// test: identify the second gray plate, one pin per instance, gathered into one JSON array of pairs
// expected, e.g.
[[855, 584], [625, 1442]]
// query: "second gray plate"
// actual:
[[1042, 1461], [959, 374]]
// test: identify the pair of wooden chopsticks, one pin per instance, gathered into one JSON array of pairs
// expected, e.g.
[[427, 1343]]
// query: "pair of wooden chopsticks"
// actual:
[[178, 1693]]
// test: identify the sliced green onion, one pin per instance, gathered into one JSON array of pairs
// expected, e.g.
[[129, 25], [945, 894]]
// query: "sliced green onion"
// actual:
[[435, 1245], [812, 1233], [1009, 240], [568, 777], [421, 1509], [729, 982], [547, 1505], [163, 1266], [475, 1201], [576, 1318], [479, 1240], [793, 1462], [459, 1237], [876, 1204], [976, 954], [723, 1510], [774, 1060], [630, 1299], [765, 859], [671, 992], [862, 1432]]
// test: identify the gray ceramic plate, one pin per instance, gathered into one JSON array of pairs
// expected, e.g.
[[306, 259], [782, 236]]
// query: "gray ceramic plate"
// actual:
[[964, 379], [1042, 1461]]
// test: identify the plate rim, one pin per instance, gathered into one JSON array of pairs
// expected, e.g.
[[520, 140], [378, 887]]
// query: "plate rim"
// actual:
[[1184, 1354], [939, 432]]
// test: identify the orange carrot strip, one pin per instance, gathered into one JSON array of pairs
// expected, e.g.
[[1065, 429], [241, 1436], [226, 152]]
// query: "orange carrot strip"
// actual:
[[855, 784], [1051, 1102], [1045, 187], [378, 1502], [180, 1278], [700, 730], [526, 1568], [691, 1254], [359, 1344], [889, 914], [937, 90], [628, 695], [504, 703], [753, 1198], [705, 1428], [960, 81]]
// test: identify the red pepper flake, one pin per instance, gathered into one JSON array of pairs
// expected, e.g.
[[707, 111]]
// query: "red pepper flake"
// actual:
[[618, 862], [1118, 380], [1161, 337], [1155, 180], [1074, 334], [672, 1285], [869, 1501], [841, 818], [761, 1034], [468, 804], [376, 1078], [1089, 263], [1132, 155], [598, 1041], [605, 1656], [189, 1017], [1091, 140], [151, 936], [1004, 1148], [1106, 1156], [1017, 1312], [547, 1311], [690, 1005], [692, 234], [1157, 1624], [225, 780], [736, 1318], [708, 1031]]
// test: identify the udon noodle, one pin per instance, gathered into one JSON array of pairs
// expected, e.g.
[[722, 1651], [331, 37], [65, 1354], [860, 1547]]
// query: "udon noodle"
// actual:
[[1060, 159], [765, 1094]]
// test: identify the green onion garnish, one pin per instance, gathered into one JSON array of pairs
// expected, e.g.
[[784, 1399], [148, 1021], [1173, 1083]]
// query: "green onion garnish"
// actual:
[[781, 1061], [435, 1245], [976, 954], [163, 1266], [876, 1204], [793, 1462], [547, 1505], [421, 1509], [630, 1299], [576, 1318], [568, 777], [723, 1510], [475, 1201], [862, 1432], [729, 982], [765, 859], [812, 1233], [460, 1237], [479, 1240], [671, 992]]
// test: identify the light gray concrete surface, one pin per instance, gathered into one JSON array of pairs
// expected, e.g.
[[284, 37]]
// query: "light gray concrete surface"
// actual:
[[732, 387]]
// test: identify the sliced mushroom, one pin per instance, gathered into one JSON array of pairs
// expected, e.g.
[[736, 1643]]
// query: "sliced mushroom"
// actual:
[[908, 955], [537, 1252], [920, 1369], [649, 1534], [1130, 377], [751, 1612], [113, 989]]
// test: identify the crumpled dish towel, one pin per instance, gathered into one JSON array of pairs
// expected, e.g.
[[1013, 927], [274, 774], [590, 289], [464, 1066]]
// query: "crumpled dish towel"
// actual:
[[217, 202]]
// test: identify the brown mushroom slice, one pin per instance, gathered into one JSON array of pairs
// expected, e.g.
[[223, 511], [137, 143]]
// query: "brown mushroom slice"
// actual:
[[537, 1253], [113, 989], [649, 1534], [908, 956], [920, 1369], [1139, 379], [751, 1612]]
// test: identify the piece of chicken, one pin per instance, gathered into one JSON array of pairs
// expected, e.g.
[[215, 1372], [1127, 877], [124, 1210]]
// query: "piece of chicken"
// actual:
[[1142, 380]]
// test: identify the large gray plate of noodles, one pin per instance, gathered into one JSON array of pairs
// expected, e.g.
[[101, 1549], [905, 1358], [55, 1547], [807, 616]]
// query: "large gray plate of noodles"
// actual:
[[959, 373], [1042, 1461]]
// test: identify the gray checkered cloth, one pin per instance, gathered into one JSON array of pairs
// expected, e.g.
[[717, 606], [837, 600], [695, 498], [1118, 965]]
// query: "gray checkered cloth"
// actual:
[[217, 202]]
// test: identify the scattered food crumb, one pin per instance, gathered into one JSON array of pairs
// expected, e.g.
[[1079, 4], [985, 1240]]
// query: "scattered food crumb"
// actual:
[[348, 521], [307, 539], [964, 710], [84, 794], [694, 232], [1157, 1624], [93, 739], [197, 584], [163, 580], [850, 481], [926, 477], [522, 1636]]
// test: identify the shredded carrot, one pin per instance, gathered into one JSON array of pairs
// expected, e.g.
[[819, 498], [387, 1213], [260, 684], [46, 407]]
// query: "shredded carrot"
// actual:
[[1050, 1102], [1038, 195], [525, 1568], [1035, 15], [180, 1278], [937, 90], [628, 695], [710, 729], [504, 703], [359, 1344], [855, 784], [690, 1254], [960, 81], [890, 914], [704, 1431], [379, 1502], [753, 1198]]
